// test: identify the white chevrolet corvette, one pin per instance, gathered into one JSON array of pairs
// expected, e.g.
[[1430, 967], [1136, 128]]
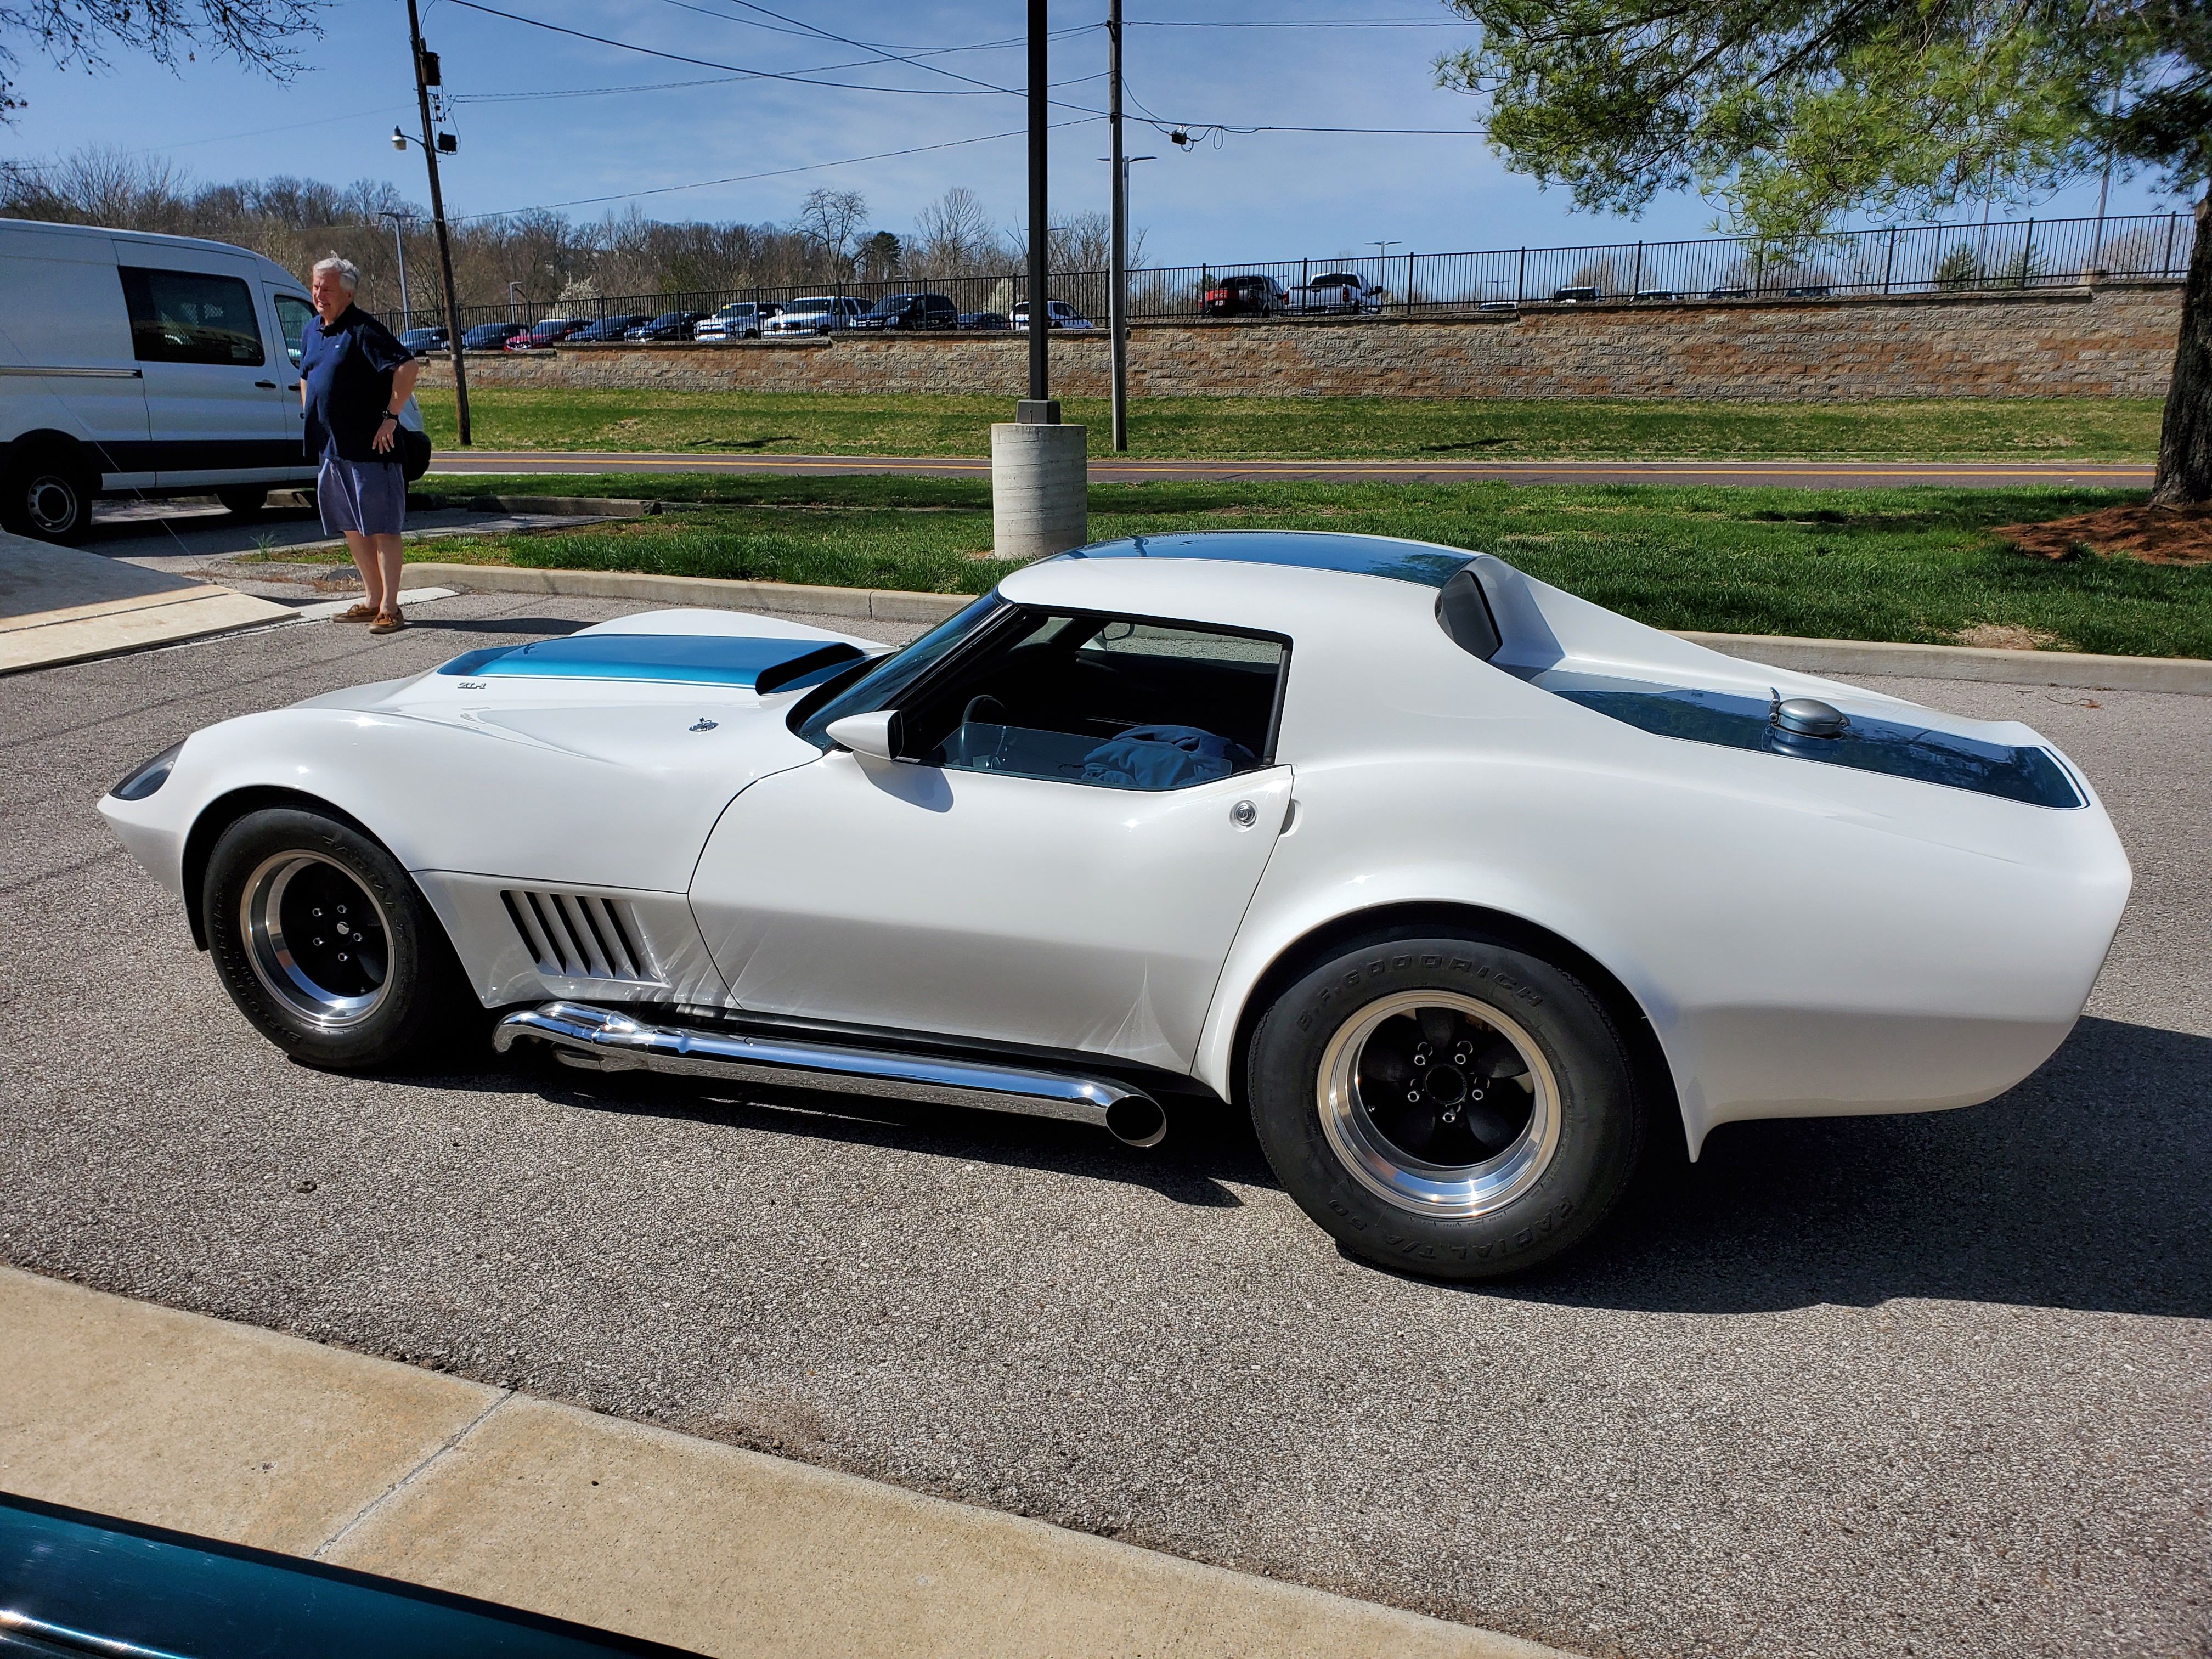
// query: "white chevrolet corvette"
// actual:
[[1453, 881]]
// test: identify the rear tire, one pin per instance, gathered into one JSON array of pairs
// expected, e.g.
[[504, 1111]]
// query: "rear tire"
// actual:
[[48, 494], [324, 943], [1446, 1106]]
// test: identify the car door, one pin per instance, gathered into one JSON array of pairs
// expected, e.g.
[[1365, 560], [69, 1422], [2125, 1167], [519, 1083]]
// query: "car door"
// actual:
[[214, 386], [1023, 872]]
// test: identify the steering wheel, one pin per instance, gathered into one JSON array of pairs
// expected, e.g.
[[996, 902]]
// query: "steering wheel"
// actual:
[[983, 710]]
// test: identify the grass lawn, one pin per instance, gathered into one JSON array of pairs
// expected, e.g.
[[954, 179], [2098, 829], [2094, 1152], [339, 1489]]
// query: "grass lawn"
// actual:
[[770, 423], [1917, 565]]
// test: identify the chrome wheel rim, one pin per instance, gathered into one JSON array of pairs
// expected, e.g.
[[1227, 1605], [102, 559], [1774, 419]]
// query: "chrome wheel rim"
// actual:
[[317, 939], [1439, 1103]]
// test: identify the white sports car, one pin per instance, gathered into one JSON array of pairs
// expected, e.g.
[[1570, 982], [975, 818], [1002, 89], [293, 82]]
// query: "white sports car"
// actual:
[[1455, 882]]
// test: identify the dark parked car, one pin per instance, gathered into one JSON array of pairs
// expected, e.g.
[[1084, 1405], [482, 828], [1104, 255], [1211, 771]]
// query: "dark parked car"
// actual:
[[1580, 294], [1657, 294], [910, 310], [551, 331], [1245, 296], [1808, 291], [669, 325], [608, 328], [490, 336], [984, 322], [419, 340]]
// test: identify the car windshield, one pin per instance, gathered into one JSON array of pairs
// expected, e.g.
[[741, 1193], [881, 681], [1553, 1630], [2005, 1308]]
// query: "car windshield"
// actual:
[[892, 305], [882, 680]]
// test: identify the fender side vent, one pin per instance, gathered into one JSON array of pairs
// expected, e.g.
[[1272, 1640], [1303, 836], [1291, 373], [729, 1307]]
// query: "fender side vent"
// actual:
[[580, 935]]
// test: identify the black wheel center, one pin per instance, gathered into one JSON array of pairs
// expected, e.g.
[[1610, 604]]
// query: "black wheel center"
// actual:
[[1445, 1086], [1432, 1084], [332, 934]]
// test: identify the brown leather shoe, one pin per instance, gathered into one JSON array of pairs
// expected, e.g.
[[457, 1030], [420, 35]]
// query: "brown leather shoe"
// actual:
[[387, 622], [361, 613]]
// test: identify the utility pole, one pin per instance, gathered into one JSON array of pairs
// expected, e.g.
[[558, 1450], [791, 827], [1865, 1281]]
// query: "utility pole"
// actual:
[[424, 63], [1040, 314], [400, 247], [1117, 300]]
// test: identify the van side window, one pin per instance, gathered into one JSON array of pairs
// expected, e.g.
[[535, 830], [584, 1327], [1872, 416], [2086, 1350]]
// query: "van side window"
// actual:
[[292, 314], [183, 317]]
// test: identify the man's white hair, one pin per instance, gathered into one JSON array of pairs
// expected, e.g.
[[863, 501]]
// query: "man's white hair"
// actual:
[[347, 272]]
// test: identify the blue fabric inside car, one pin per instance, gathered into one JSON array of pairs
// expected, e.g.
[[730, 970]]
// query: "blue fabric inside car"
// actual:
[[1165, 757]]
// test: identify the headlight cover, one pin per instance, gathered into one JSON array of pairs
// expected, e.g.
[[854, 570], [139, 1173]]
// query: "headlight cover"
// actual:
[[146, 776]]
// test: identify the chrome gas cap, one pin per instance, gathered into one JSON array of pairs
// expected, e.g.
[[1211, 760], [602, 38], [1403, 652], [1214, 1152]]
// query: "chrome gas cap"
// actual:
[[1808, 717]]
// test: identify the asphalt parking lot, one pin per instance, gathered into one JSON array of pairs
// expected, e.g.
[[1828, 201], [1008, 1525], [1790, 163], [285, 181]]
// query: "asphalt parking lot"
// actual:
[[1934, 1386]]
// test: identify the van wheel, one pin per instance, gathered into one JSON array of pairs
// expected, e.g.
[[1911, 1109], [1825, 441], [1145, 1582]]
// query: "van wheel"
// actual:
[[241, 501], [47, 494]]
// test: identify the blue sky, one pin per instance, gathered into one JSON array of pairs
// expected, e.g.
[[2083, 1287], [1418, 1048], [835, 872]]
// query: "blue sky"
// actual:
[[1249, 196]]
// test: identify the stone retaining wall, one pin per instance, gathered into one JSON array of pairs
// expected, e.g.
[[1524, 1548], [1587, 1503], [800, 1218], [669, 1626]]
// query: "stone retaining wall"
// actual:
[[2109, 342]]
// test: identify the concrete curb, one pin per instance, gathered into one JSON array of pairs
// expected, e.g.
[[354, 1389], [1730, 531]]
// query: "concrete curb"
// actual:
[[1842, 658], [245, 1434]]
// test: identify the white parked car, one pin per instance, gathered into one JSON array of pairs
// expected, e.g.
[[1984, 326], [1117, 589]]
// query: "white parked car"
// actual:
[[143, 365], [1458, 883], [741, 321], [823, 314], [1337, 293], [1060, 313]]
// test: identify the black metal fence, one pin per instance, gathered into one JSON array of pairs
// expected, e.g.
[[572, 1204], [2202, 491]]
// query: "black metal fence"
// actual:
[[2011, 254]]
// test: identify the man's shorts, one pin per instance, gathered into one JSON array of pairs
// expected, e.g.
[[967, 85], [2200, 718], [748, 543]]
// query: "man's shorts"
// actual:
[[369, 497]]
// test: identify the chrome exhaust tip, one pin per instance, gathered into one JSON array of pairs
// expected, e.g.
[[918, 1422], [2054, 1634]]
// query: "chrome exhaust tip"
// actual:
[[602, 1040]]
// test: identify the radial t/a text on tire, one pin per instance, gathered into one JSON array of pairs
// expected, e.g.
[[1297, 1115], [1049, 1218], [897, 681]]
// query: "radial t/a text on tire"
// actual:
[[325, 943], [1450, 1107]]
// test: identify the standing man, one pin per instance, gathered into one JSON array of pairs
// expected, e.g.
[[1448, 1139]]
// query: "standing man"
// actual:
[[354, 380]]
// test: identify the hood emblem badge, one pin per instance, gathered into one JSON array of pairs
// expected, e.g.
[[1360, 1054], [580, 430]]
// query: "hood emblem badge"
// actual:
[[706, 725]]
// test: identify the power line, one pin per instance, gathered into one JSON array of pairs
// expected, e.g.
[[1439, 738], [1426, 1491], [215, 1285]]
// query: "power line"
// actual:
[[1316, 23], [773, 172], [744, 72]]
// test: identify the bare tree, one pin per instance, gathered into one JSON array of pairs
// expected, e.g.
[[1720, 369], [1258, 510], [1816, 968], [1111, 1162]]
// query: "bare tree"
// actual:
[[953, 236], [833, 218], [79, 34]]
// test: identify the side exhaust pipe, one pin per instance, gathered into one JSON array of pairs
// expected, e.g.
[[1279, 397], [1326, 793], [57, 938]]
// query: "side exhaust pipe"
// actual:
[[599, 1039]]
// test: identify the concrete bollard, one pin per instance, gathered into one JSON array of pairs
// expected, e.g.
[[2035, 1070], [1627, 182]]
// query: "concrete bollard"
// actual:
[[1038, 476]]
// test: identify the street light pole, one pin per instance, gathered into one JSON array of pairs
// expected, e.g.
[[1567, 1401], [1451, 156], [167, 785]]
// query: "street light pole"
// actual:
[[438, 220], [1040, 314], [400, 247]]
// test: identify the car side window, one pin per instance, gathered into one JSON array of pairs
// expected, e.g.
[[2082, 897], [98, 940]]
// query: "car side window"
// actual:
[[1112, 702], [185, 317], [292, 314]]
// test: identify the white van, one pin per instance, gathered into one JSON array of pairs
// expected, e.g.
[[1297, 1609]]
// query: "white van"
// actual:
[[133, 364]]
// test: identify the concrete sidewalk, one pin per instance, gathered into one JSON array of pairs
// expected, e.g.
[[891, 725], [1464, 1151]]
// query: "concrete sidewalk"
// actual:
[[239, 1433], [58, 604]]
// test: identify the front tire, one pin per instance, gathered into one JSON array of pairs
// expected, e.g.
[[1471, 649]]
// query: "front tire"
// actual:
[[324, 943], [1446, 1106]]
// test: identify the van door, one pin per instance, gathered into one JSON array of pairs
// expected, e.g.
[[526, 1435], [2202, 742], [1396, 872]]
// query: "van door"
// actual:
[[291, 309], [214, 381], [66, 359]]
